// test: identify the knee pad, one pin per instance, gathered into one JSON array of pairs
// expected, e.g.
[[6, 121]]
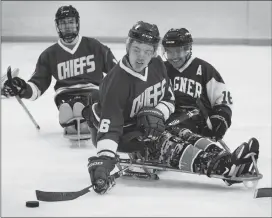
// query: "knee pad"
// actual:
[[205, 143]]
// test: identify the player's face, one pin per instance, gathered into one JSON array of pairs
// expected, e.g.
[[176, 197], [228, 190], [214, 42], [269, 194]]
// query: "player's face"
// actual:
[[140, 55], [68, 27], [177, 55]]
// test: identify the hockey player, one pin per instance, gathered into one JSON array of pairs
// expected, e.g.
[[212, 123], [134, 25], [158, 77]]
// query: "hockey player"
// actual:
[[76, 62], [193, 78], [136, 95]]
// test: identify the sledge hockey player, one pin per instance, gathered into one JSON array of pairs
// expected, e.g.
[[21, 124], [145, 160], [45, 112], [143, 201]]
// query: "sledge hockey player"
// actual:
[[193, 78], [77, 63], [136, 94]]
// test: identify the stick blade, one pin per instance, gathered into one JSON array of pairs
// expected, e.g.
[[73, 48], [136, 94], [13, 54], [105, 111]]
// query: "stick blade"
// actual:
[[263, 192], [60, 196]]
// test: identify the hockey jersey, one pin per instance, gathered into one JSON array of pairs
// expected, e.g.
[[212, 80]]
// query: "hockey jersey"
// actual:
[[199, 79], [124, 92], [80, 67]]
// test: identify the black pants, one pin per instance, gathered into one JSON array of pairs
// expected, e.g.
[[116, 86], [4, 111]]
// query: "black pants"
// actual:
[[85, 96], [124, 145]]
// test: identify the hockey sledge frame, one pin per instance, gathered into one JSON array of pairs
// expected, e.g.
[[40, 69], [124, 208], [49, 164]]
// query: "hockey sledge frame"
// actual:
[[78, 137], [253, 176]]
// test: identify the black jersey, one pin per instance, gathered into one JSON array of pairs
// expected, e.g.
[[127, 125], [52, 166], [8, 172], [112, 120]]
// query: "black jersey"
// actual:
[[80, 67], [124, 92], [199, 79]]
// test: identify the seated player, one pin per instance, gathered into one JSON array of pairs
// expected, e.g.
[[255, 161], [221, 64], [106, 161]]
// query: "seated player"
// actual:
[[77, 63], [136, 95], [192, 79]]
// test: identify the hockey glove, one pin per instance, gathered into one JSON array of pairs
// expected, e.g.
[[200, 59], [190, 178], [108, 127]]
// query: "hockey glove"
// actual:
[[14, 87], [151, 122], [221, 121], [99, 169]]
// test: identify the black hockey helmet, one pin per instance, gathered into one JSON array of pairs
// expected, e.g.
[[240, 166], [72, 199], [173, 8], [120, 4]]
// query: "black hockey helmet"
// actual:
[[181, 41], [177, 37], [67, 12], [146, 33]]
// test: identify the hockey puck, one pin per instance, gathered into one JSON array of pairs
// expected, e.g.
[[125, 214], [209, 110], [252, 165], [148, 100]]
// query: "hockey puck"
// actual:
[[32, 204]]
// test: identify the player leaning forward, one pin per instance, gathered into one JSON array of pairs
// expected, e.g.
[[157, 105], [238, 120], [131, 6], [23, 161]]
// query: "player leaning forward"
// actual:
[[137, 94], [76, 62]]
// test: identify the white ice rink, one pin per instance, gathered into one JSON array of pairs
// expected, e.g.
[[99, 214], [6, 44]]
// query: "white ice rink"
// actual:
[[43, 160]]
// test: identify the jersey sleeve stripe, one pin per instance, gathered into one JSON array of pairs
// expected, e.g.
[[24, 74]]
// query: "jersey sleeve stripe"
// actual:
[[106, 144], [166, 108], [35, 91]]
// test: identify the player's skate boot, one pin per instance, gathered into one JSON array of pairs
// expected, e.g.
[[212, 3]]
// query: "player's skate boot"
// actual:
[[251, 148], [253, 144], [222, 163], [213, 162], [240, 155]]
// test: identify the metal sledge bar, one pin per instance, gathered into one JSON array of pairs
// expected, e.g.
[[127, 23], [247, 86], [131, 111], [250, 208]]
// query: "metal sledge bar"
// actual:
[[78, 131], [77, 136], [139, 175], [159, 166]]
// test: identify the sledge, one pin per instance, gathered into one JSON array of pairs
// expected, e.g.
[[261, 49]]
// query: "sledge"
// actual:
[[151, 167]]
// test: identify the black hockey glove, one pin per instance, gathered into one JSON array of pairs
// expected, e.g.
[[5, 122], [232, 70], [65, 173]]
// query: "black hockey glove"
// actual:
[[99, 169], [221, 121], [14, 87], [151, 121]]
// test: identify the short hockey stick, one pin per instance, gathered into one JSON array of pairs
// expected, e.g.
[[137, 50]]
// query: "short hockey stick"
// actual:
[[202, 108], [209, 123], [183, 117], [67, 196], [19, 99], [194, 112]]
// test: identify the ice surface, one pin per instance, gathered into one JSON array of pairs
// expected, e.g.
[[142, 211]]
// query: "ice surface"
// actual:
[[43, 160]]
